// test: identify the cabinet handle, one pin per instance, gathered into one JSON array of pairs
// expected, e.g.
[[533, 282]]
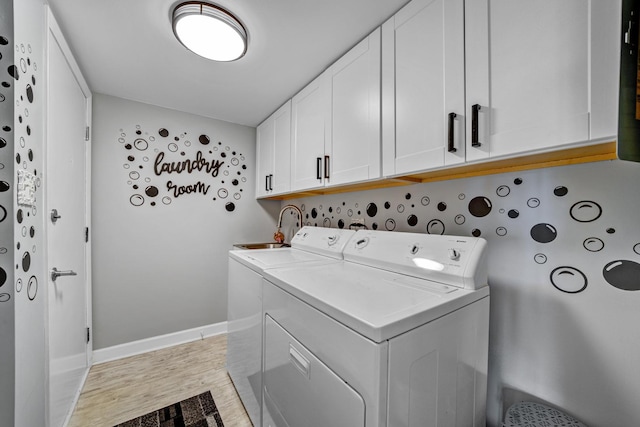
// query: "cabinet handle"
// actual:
[[266, 183], [271, 182], [451, 147], [318, 166], [474, 125], [326, 167]]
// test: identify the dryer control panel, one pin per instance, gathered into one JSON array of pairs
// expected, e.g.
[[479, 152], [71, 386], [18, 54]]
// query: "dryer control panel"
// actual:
[[452, 260]]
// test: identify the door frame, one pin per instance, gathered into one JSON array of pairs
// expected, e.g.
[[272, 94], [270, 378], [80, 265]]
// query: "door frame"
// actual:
[[55, 34]]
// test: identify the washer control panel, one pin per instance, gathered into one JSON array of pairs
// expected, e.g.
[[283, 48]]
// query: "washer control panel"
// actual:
[[320, 240]]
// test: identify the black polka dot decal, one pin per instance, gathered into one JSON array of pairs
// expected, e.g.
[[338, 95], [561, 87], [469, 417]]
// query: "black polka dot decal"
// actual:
[[26, 261], [561, 191], [585, 211], [593, 244], [32, 288], [569, 280], [503, 191], [435, 226], [623, 274], [480, 206], [372, 209], [412, 220], [544, 233], [162, 167]]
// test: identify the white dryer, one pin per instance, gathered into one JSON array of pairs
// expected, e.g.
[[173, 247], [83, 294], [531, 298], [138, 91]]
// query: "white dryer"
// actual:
[[395, 335], [311, 245]]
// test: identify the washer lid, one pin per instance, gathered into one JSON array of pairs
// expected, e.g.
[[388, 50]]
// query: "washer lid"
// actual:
[[262, 259], [375, 303]]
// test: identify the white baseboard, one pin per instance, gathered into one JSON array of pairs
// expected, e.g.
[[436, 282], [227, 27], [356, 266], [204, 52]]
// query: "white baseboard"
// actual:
[[156, 343]]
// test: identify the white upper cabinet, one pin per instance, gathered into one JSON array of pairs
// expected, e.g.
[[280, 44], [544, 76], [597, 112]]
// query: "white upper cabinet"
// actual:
[[467, 80], [355, 114], [540, 74], [448, 82], [423, 87], [336, 122], [311, 128], [273, 153]]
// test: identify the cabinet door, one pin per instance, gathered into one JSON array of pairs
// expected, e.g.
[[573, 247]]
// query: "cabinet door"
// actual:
[[355, 114], [310, 128], [538, 69], [264, 157], [281, 160], [423, 83]]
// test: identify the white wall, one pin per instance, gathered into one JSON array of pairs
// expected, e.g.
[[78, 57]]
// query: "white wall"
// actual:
[[7, 346], [564, 273], [160, 260]]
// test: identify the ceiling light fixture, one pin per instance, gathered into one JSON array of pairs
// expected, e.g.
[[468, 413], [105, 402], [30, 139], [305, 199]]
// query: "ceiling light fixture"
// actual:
[[209, 31]]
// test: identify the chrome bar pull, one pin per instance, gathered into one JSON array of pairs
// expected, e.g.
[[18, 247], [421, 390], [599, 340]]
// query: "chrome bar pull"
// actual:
[[55, 273]]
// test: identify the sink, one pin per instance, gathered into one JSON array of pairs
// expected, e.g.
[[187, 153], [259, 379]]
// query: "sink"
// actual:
[[272, 245]]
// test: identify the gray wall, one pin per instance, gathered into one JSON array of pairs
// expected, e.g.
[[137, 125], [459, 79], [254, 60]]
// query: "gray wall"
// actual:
[[160, 257], [564, 273], [7, 347], [29, 248]]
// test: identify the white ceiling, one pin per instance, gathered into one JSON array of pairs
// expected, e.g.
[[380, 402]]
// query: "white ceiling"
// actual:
[[126, 48]]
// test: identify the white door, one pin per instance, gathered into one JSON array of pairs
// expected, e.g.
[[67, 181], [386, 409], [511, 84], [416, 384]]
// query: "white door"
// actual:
[[67, 192], [355, 110], [528, 68], [310, 116], [423, 86]]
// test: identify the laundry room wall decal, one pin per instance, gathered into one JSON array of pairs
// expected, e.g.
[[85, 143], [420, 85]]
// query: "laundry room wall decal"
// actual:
[[162, 167]]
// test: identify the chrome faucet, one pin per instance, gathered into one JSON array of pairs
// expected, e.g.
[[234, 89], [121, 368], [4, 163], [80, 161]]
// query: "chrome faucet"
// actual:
[[278, 236]]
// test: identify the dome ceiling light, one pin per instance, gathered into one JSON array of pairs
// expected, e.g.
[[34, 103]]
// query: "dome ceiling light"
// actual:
[[209, 31]]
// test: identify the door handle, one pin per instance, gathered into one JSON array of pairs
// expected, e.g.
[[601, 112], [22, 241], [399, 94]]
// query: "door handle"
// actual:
[[271, 182], [55, 273], [266, 183], [54, 215], [474, 125], [451, 148], [299, 361], [318, 167]]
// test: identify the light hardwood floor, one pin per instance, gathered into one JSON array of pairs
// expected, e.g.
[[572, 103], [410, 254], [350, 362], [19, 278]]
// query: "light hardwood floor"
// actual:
[[127, 388]]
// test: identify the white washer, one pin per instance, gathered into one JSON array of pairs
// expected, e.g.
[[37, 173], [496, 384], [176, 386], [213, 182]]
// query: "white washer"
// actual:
[[311, 245], [395, 335]]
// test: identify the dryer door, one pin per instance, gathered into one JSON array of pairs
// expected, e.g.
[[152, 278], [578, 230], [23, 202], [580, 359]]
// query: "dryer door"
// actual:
[[300, 390]]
